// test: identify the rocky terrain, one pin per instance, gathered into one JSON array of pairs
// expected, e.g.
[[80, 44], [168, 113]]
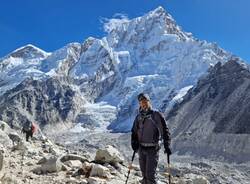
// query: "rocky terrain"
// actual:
[[82, 92], [42, 161], [98, 159]]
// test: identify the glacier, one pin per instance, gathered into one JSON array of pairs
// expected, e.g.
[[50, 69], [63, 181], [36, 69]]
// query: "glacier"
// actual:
[[149, 54]]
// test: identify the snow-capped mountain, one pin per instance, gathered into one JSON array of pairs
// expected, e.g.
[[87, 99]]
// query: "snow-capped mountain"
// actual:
[[32, 62], [146, 54], [20, 64]]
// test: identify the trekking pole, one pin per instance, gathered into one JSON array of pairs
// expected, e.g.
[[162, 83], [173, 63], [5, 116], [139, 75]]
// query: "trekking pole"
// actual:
[[169, 174], [130, 168]]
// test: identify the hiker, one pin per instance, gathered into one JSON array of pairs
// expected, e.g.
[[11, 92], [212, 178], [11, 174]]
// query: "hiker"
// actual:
[[148, 129], [29, 129]]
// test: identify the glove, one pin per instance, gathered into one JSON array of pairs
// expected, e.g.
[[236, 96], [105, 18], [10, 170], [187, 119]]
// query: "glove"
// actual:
[[135, 145], [168, 151]]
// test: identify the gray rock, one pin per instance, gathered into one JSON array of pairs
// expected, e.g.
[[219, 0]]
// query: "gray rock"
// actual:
[[4, 139], [98, 170], [109, 155], [52, 164]]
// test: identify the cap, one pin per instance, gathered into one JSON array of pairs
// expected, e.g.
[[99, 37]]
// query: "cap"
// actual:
[[143, 96]]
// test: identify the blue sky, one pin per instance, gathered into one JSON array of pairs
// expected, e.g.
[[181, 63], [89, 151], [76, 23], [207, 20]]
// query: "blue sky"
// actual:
[[51, 24]]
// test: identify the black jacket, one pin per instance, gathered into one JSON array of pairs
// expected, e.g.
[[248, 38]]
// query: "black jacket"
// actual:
[[149, 128]]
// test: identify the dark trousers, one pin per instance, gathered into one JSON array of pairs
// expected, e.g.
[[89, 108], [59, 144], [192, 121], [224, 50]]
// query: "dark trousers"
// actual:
[[148, 160], [28, 134]]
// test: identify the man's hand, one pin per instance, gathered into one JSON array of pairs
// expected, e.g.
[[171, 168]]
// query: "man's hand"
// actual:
[[130, 166], [168, 151]]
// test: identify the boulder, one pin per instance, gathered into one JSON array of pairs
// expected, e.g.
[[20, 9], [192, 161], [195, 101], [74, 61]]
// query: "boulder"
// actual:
[[52, 164], [4, 139], [100, 171], [108, 155]]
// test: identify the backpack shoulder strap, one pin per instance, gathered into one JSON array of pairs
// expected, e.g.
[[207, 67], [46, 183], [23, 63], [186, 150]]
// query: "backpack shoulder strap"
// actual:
[[155, 123]]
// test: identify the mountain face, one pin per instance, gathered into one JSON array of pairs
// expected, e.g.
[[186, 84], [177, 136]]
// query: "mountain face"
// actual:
[[149, 54], [46, 101], [214, 115], [18, 65]]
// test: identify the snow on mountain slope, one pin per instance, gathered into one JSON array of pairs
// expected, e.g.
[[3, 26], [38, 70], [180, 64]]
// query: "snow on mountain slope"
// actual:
[[20, 64], [149, 54], [31, 62], [165, 57], [61, 60], [97, 116], [96, 70]]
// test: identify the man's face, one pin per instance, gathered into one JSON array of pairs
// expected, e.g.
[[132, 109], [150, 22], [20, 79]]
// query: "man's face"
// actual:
[[144, 104]]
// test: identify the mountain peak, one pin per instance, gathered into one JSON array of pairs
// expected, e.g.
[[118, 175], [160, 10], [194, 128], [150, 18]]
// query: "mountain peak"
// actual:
[[159, 11], [166, 23], [232, 66], [236, 62], [29, 51], [152, 25]]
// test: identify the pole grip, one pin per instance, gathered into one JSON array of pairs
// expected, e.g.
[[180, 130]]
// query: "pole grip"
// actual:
[[133, 156]]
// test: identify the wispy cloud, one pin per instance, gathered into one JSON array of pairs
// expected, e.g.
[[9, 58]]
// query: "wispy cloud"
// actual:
[[115, 22]]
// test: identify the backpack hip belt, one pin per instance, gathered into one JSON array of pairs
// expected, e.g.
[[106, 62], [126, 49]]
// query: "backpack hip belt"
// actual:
[[149, 144]]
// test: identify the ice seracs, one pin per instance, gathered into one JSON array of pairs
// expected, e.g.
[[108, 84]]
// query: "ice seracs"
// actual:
[[150, 53]]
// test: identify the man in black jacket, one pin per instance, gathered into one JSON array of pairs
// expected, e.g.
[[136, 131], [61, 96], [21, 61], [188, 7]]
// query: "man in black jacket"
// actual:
[[148, 129]]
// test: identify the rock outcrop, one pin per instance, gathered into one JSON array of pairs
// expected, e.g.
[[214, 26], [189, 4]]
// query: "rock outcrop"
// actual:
[[45, 102], [213, 118]]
